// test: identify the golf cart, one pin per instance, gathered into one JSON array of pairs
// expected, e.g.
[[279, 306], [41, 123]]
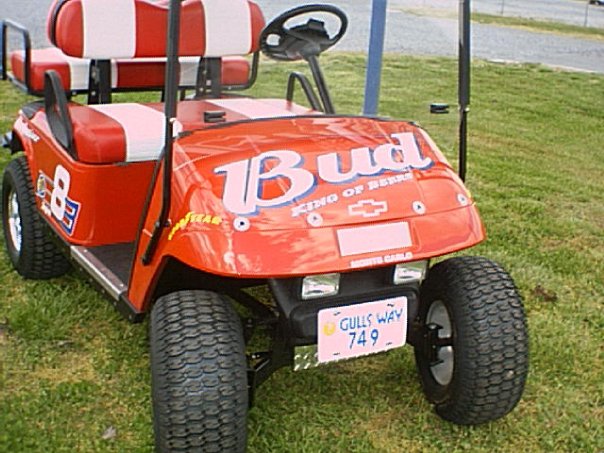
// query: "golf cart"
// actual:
[[181, 208]]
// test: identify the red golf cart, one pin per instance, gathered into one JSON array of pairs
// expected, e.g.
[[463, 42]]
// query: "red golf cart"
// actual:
[[178, 208]]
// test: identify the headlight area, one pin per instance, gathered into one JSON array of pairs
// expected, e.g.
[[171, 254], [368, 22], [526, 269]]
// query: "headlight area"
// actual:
[[405, 273], [316, 286], [300, 299]]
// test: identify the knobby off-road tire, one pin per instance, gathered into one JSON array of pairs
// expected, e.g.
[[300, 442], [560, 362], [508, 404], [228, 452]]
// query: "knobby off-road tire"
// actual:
[[30, 248], [482, 373], [199, 374]]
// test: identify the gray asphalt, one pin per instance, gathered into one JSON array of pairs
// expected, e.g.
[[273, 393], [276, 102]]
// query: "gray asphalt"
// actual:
[[417, 27], [574, 12], [428, 27]]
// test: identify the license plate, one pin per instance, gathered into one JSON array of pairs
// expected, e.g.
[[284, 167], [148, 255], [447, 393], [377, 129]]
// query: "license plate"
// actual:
[[362, 329]]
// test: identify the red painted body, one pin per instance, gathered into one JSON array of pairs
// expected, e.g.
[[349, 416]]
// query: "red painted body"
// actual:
[[111, 197], [269, 197]]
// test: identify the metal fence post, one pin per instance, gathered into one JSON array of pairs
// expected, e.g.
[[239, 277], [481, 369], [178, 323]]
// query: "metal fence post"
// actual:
[[464, 83], [374, 58]]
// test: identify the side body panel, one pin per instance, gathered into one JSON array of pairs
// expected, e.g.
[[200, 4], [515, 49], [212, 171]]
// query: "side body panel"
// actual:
[[88, 204]]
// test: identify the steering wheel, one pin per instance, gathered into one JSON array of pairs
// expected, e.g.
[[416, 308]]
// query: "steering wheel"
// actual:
[[302, 41]]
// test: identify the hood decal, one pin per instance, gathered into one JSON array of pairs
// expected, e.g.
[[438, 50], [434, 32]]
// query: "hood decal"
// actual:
[[244, 180]]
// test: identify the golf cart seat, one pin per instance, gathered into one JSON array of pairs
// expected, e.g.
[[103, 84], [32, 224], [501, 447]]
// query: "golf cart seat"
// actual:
[[137, 71], [118, 29], [125, 29], [134, 132], [126, 74]]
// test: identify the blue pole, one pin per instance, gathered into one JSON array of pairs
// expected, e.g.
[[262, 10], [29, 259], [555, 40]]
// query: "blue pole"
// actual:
[[374, 58]]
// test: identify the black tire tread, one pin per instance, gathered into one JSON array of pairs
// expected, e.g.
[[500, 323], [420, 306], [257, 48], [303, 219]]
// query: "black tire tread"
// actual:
[[491, 344], [40, 258], [199, 374]]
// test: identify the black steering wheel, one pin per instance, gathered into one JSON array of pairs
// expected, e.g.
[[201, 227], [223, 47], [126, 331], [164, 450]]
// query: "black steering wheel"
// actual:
[[302, 41]]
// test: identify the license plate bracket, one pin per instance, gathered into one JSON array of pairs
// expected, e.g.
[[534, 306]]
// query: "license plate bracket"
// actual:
[[361, 329]]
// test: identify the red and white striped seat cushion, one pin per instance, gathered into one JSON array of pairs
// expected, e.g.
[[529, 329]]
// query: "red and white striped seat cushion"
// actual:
[[113, 133], [114, 29], [138, 73]]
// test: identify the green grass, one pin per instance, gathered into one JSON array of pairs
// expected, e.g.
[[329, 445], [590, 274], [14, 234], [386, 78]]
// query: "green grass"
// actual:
[[540, 25], [71, 367]]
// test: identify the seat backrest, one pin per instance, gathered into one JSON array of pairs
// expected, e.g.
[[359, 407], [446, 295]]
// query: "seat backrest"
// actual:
[[112, 29]]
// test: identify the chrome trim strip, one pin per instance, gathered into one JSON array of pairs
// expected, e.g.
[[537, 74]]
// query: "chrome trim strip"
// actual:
[[101, 273]]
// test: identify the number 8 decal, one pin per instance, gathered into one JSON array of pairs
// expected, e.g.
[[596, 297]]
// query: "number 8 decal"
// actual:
[[58, 199]]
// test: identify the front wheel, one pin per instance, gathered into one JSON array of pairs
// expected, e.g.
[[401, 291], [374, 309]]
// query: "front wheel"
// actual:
[[473, 359], [199, 374]]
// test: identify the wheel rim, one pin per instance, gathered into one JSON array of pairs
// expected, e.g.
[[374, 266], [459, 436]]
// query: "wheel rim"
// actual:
[[442, 372], [14, 221]]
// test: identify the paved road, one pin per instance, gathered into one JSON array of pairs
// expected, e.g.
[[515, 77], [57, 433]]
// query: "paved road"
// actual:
[[422, 34], [426, 35], [575, 12]]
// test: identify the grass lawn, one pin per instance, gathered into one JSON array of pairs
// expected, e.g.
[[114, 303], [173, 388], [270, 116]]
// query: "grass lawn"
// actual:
[[71, 368], [540, 25]]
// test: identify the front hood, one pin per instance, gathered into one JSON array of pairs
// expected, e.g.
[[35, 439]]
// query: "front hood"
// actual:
[[262, 181]]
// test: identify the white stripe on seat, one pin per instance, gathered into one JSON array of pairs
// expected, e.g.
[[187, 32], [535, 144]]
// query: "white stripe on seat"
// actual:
[[107, 34], [189, 67], [228, 28], [251, 108], [79, 72], [143, 129]]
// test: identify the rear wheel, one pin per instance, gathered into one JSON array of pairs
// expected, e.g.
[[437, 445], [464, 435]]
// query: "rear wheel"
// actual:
[[29, 246], [473, 360], [199, 374]]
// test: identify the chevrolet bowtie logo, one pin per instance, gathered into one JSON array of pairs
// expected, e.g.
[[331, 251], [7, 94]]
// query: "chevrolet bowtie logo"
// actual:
[[368, 208]]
